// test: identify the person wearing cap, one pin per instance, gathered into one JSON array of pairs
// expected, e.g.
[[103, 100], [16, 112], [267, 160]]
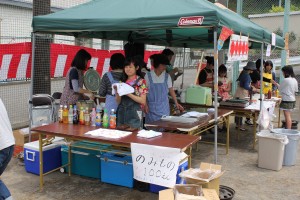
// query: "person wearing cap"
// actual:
[[174, 72], [244, 88], [159, 84], [206, 76]]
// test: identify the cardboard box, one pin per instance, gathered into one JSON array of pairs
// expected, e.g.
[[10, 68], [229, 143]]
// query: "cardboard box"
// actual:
[[22, 136], [212, 184], [168, 194]]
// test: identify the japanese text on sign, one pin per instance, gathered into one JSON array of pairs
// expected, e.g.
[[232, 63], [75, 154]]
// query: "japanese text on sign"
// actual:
[[154, 164]]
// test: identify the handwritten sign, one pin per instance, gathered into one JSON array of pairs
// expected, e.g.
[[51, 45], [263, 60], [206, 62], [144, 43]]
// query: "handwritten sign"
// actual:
[[154, 164], [238, 48]]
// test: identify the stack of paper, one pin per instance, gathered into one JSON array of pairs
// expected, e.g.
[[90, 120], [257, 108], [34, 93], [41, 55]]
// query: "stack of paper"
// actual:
[[108, 133], [148, 134], [123, 89], [194, 114]]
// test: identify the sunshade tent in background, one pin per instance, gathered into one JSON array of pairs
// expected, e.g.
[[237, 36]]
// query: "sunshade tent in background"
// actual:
[[154, 22]]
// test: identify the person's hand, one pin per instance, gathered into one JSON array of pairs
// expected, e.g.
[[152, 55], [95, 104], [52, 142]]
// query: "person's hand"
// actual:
[[179, 107], [92, 96], [146, 108]]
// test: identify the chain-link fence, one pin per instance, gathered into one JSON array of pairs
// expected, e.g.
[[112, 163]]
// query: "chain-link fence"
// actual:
[[54, 53]]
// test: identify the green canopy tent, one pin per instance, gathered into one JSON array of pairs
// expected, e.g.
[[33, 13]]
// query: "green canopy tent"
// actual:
[[154, 22]]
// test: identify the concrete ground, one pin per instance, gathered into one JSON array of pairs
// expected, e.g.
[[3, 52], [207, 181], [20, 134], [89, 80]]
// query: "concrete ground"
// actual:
[[240, 165]]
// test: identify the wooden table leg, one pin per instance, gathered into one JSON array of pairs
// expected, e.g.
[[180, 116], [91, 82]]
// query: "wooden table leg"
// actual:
[[227, 133], [41, 161], [189, 151]]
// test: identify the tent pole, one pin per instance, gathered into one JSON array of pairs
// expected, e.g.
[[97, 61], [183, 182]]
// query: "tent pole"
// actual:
[[183, 66], [261, 75], [31, 81], [216, 64]]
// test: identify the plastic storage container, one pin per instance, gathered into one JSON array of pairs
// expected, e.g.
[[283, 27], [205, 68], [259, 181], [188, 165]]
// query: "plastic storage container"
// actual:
[[182, 167], [271, 150], [51, 157], [196, 94], [117, 169], [85, 162], [290, 151]]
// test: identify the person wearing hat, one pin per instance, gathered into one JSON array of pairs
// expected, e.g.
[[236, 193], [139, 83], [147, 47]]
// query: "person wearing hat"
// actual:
[[244, 88], [206, 76], [159, 84]]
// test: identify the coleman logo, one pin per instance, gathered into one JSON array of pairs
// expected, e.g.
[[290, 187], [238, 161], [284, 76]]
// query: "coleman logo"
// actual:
[[191, 21]]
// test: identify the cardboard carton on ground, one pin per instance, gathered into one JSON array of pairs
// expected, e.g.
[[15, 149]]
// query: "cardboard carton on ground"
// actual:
[[212, 184], [22, 136], [208, 194]]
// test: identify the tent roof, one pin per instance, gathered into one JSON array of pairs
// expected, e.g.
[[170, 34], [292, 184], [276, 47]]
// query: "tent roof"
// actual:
[[151, 22]]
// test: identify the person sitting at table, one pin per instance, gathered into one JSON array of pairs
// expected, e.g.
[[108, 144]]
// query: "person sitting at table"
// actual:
[[287, 89], [243, 88], [73, 89], [206, 76], [117, 64], [131, 104], [174, 72], [268, 78], [159, 84], [224, 85]]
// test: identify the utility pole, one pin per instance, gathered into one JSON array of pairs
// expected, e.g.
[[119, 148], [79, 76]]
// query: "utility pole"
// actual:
[[286, 19], [236, 64]]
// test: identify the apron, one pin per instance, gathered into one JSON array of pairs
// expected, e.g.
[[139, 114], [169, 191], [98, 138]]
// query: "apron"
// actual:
[[209, 77], [110, 101], [157, 100], [267, 85], [69, 97], [224, 94], [127, 113], [241, 92]]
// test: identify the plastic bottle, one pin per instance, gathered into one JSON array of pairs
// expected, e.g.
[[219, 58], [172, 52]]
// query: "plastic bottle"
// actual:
[[105, 119], [112, 119], [93, 117], [75, 115], [277, 93], [70, 115], [87, 120], [81, 116], [60, 114], [65, 115], [98, 116], [269, 94]]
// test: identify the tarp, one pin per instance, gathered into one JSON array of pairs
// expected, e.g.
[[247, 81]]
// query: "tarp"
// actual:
[[150, 21]]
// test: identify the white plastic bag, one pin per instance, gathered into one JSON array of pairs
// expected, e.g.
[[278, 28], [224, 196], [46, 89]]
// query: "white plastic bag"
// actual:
[[264, 118]]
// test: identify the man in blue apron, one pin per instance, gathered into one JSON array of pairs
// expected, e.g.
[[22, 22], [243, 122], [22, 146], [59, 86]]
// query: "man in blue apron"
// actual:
[[109, 78], [159, 84]]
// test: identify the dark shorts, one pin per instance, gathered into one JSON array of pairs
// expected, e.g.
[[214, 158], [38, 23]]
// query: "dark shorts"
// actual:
[[287, 105]]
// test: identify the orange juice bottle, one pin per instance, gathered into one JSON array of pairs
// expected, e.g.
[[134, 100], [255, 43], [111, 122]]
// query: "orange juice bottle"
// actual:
[[65, 115]]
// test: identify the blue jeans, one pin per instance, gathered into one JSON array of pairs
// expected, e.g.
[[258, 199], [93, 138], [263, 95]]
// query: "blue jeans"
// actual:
[[5, 156]]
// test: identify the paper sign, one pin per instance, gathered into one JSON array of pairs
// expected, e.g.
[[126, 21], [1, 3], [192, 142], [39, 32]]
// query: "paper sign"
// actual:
[[106, 66], [273, 39], [238, 48], [268, 53], [154, 164]]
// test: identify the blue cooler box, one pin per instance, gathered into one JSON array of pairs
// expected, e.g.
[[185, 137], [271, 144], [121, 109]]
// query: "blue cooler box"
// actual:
[[85, 162], [182, 167], [51, 157], [117, 169]]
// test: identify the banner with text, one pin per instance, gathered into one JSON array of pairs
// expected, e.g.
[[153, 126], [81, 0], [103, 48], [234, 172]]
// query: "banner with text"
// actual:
[[154, 164], [238, 48]]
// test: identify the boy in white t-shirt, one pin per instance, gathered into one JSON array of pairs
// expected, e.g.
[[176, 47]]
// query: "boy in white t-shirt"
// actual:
[[7, 143], [287, 89]]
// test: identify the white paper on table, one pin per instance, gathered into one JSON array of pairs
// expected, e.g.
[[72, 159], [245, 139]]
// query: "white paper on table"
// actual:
[[123, 89], [155, 164], [268, 52], [273, 39], [148, 133], [194, 114], [108, 133]]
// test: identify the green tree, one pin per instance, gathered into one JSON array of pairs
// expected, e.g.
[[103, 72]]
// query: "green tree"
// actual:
[[276, 9]]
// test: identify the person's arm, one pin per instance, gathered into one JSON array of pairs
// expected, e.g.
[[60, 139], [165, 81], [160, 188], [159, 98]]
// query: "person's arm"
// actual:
[[228, 89], [173, 95], [139, 99], [118, 97], [202, 77], [245, 82]]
